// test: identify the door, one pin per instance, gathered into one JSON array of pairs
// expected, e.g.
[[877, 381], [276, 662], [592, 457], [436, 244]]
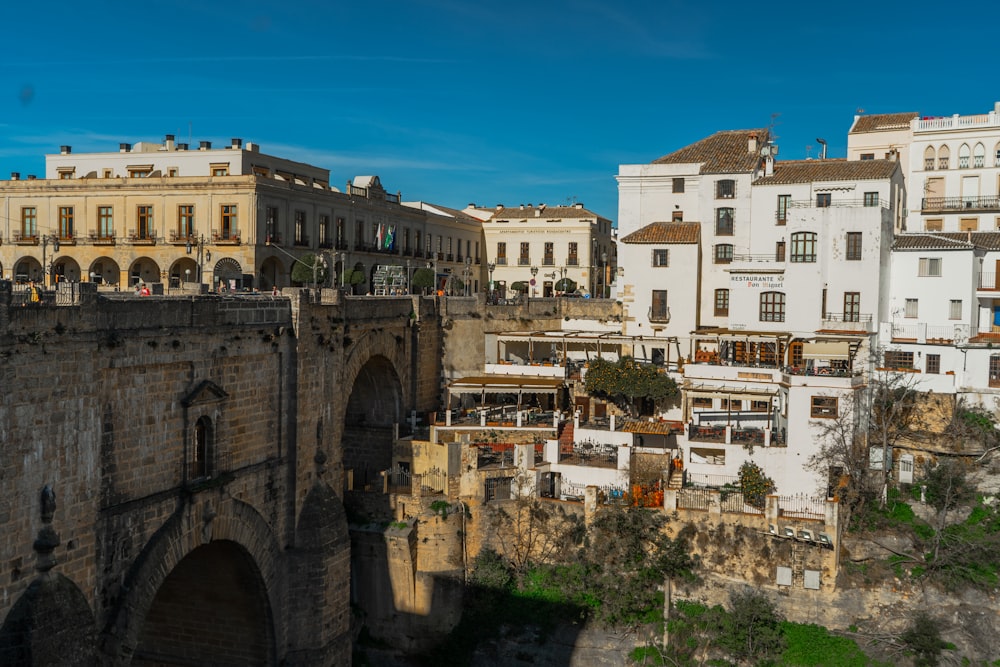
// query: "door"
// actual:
[[906, 469], [582, 404]]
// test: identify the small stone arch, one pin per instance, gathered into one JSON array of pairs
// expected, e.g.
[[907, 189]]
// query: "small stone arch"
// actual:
[[105, 271], [228, 272], [143, 270], [194, 524], [26, 269], [65, 269]]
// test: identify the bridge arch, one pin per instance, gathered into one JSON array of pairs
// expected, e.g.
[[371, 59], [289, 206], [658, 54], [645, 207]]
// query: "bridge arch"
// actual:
[[233, 542], [376, 371]]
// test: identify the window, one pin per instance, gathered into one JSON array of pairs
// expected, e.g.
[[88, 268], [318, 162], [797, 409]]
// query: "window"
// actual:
[[341, 239], [779, 251], [139, 172], [910, 310], [172, 172], [933, 363], [898, 359], [723, 253], [724, 222], [105, 222], [548, 258], [772, 307], [871, 199], [963, 156], [525, 257], [721, 302], [943, 155], [185, 221], [220, 169], [678, 184], [822, 199], [144, 222], [201, 452], [933, 225], [979, 156], [324, 232], [868, 156], [929, 267], [701, 402], [734, 405], [300, 228], [229, 221], [929, 158], [29, 222], [782, 214], [725, 189], [852, 306], [677, 216], [760, 406], [995, 370], [658, 311], [661, 257], [65, 222], [572, 258], [853, 246], [803, 247], [823, 407], [968, 224], [955, 309]]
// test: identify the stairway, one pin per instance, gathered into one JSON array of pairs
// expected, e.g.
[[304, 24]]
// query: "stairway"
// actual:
[[566, 438], [676, 479]]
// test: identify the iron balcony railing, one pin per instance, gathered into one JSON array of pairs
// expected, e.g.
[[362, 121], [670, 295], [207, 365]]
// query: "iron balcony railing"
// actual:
[[987, 203]]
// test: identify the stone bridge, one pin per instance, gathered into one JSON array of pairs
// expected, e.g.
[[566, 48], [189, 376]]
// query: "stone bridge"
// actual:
[[172, 469]]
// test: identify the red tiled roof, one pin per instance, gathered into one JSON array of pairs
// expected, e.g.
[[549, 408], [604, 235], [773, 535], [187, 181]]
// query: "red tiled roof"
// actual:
[[984, 240], [883, 122], [543, 212], [722, 153], [666, 232], [931, 242], [810, 171]]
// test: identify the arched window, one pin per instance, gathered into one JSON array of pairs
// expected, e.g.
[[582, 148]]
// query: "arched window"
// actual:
[[929, 158], [772, 307], [943, 155], [963, 156], [723, 253], [979, 156], [803, 247], [996, 156], [202, 449]]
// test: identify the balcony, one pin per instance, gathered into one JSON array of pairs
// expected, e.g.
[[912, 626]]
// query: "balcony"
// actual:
[[989, 281], [301, 241], [501, 261], [659, 314], [225, 237], [25, 239], [847, 322], [940, 204], [840, 203], [176, 238], [524, 261], [572, 261], [991, 119], [101, 239], [548, 261], [141, 238]]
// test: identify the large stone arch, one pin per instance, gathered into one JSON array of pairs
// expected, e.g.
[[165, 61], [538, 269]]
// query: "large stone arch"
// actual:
[[194, 525], [376, 372]]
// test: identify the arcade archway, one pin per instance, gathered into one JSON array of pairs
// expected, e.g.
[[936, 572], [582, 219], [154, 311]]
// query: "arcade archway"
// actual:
[[375, 406]]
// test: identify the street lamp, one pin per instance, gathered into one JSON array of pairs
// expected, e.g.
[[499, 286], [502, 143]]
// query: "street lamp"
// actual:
[[604, 273], [203, 256], [46, 266], [467, 273], [408, 278], [491, 266]]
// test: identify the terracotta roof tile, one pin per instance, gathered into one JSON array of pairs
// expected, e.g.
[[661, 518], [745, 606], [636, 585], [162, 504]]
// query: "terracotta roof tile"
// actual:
[[722, 153], [666, 232], [810, 171], [883, 122], [983, 240], [930, 242]]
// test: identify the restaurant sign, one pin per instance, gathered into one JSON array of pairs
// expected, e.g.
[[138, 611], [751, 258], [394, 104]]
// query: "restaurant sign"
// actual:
[[761, 281]]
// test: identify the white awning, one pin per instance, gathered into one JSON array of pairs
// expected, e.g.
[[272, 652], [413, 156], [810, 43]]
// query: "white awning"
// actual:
[[827, 350]]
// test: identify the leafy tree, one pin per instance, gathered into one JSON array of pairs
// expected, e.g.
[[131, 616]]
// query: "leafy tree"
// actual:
[[948, 486], [626, 380], [490, 571], [423, 278], [973, 424], [565, 285], [751, 632], [755, 485], [923, 638], [519, 286], [309, 269]]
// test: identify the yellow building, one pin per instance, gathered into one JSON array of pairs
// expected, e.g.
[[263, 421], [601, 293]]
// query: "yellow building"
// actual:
[[228, 217]]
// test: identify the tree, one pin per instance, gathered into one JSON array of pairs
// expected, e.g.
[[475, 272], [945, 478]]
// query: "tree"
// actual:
[[973, 424], [751, 632], [565, 285], [923, 638], [755, 485], [519, 286], [626, 380], [423, 279], [309, 269]]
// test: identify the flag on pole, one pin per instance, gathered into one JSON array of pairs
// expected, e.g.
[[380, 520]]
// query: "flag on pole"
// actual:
[[390, 238]]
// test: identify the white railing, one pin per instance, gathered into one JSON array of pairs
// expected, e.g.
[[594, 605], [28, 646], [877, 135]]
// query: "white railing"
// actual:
[[956, 121]]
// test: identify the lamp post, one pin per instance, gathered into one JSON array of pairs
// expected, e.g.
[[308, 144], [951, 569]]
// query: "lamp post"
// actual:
[[408, 278], [203, 256], [491, 266], [47, 267], [534, 272], [467, 274], [604, 273], [187, 275]]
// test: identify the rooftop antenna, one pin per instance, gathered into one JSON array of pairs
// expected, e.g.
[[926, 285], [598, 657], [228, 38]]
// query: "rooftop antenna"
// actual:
[[772, 137]]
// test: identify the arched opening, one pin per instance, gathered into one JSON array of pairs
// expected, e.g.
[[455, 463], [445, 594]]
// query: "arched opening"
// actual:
[[105, 271], [375, 406], [212, 609], [201, 449], [65, 269], [929, 157], [144, 270], [272, 274], [229, 275], [28, 268], [184, 270]]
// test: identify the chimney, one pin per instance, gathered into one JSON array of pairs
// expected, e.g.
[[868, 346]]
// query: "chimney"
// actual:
[[522, 207], [205, 146], [578, 205], [237, 143], [768, 165], [124, 148], [499, 206], [31, 177], [252, 147], [65, 150], [752, 143], [15, 175], [169, 141], [182, 147]]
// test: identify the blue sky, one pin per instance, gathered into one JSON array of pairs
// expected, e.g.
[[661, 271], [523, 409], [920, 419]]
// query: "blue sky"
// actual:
[[454, 102]]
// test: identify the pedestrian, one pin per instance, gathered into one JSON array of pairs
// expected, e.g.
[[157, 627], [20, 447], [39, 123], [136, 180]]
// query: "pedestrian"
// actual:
[[274, 291]]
